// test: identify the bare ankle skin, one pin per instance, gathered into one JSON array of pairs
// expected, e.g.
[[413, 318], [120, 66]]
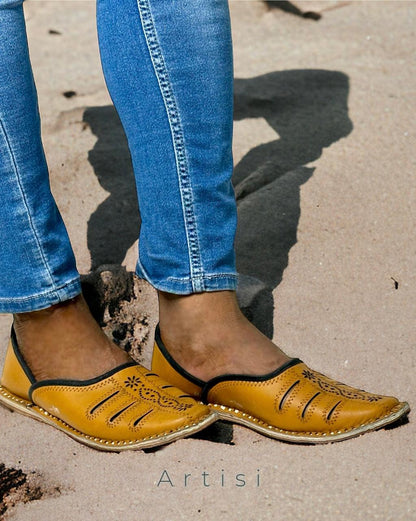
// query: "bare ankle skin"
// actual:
[[64, 341], [208, 335]]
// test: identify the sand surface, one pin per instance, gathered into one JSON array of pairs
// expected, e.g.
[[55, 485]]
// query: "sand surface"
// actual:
[[324, 153]]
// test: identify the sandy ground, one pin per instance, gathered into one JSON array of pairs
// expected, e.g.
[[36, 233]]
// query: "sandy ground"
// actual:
[[324, 154]]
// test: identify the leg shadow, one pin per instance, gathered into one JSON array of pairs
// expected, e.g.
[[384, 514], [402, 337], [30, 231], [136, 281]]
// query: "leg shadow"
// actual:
[[114, 226], [307, 109]]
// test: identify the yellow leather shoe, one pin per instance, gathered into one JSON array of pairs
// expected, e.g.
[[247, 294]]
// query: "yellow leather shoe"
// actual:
[[129, 407], [293, 403]]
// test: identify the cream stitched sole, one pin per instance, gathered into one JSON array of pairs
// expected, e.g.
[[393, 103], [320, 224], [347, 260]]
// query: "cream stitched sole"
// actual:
[[15, 403], [236, 416]]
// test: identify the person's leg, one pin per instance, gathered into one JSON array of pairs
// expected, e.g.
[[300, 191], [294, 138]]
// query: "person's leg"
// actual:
[[39, 281], [168, 67], [97, 394], [36, 259]]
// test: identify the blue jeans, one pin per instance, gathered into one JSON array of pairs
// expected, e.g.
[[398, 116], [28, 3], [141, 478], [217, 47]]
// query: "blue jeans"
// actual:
[[168, 67]]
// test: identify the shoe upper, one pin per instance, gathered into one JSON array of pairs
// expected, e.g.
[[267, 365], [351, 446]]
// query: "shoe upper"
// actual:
[[16, 376], [173, 373], [293, 398], [128, 403], [299, 399]]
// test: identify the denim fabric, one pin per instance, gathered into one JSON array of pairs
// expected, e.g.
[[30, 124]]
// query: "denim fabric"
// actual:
[[37, 266], [168, 67]]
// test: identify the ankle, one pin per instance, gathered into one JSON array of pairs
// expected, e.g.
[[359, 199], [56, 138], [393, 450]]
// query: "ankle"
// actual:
[[207, 334], [65, 341], [34, 326], [75, 304], [191, 317]]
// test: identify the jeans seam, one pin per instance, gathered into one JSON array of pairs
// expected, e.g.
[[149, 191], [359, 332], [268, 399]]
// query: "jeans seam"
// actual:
[[40, 295], [205, 277], [201, 279], [22, 192], [178, 139]]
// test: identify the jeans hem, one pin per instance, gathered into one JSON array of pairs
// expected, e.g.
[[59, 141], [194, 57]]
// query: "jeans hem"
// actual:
[[41, 300], [188, 285]]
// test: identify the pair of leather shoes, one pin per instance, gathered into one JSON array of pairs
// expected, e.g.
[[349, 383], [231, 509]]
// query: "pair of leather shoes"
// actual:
[[132, 408]]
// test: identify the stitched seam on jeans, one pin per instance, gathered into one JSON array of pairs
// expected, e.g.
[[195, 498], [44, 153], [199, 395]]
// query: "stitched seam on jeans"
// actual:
[[172, 111], [185, 280], [73, 282], [22, 192], [205, 277]]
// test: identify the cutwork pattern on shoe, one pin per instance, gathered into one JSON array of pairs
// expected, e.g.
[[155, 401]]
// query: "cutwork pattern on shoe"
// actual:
[[125, 408], [134, 383], [332, 386], [293, 403]]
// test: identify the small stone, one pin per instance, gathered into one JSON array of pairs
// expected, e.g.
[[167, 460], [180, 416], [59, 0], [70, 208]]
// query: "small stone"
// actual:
[[69, 93]]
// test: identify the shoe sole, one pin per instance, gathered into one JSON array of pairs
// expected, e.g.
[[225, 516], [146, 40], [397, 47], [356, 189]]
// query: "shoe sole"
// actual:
[[16, 403], [242, 418]]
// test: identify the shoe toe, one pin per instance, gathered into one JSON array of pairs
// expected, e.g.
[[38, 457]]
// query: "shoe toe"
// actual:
[[128, 406], [300, 402], [328, 405]]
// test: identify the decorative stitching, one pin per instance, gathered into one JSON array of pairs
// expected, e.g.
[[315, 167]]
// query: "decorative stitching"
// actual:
[[282, 401], [178, 140], [24, 198], [253, 419], [308, 404], [39, 411], [146, 393], [132, 382], [141, 418], [206, 276], [331, 386], [119, 413], [58, 289], [102, 402]]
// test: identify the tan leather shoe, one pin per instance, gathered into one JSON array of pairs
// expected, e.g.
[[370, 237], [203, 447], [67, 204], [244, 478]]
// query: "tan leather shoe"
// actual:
[[126, 408], [292, 403]]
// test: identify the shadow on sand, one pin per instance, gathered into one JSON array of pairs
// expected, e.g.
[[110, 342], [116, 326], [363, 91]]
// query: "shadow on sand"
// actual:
[[290, 7]]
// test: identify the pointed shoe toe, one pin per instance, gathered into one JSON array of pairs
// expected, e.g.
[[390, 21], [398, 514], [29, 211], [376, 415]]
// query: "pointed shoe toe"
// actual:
[[298, 404], [293, 403], [129, 407]]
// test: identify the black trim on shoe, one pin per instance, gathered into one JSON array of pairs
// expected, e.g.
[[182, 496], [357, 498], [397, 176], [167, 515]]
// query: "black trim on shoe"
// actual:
[[79, 383], [207, 386], [173, 363], [58, 381], [19, 356], [246, 378]]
